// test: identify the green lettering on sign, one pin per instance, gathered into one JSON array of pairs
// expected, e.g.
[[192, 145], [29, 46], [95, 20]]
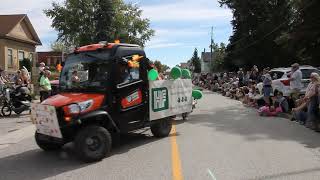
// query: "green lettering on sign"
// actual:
[[160, 99]]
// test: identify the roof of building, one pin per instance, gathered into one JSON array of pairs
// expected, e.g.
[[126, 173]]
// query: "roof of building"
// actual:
[[9, 22]]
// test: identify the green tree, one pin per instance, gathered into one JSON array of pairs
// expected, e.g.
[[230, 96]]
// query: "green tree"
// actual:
[[129, 27], [256, 26], [303, 39], [59, 47], [81, 22], [195, 61], [26, 63], [103, 19], [161, 67], [219, 53]]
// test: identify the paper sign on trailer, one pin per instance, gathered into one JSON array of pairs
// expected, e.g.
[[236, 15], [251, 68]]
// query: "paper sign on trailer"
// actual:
[[169, 98], [45, 119]]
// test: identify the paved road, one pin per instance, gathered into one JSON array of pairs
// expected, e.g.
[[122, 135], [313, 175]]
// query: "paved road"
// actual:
[[13, 123], [222, 140]]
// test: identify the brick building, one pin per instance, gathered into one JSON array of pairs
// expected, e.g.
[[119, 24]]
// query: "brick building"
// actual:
[[50, 58]]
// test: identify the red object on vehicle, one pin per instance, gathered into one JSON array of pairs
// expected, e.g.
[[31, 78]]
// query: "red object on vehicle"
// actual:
[[68, 98], [94, 47], [286, 82], [132, 100]]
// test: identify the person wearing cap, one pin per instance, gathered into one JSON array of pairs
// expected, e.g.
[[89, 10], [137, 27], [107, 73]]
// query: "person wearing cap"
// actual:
[[295, 81], [42, 66], [311, 102]]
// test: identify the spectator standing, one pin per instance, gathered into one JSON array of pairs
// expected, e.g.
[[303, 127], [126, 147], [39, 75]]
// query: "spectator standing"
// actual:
[[313, 98], [22, 78], [241, 77], [254, 76], [45, 85], [16, 78], [3, 80], [311, 102], [246, 78], [42, 66], [267, 88], [41, 70], [295, 81]]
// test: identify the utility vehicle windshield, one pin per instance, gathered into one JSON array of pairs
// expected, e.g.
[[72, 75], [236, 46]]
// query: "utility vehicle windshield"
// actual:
[[86, 72]]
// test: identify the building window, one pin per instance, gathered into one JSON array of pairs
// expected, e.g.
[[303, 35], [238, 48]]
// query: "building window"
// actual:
[[10, 58], [20, 55], [31, 57]]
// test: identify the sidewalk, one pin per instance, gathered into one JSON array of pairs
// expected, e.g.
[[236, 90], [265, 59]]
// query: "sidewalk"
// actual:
[[13, 129]]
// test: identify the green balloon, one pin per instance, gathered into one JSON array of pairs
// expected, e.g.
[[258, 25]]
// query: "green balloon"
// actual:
[[186, 74], [175, 73], [152, 75], [197, 94]]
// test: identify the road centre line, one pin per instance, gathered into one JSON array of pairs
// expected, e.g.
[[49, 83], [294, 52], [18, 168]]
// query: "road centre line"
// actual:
[[175, 157]]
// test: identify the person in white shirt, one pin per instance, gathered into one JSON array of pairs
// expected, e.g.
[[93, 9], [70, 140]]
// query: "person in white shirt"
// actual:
[[295, 81]]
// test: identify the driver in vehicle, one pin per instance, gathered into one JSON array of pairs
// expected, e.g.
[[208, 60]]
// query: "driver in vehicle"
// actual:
[[125, 76], [75, 78]]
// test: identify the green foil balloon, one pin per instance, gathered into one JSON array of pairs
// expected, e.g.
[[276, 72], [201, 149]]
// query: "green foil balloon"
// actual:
[[153, 75], [175, 73], [186, 74], [197, 94]]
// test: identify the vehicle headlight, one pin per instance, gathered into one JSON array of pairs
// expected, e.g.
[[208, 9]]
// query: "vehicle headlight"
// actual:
[[80, 107]]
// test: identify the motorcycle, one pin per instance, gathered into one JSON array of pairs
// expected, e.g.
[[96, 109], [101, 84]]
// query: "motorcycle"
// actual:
[[17, 100]]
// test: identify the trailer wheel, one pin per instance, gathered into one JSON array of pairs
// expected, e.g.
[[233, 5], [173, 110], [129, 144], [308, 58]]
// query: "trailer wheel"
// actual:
[[46, 145], [162, 128], [93, 143]]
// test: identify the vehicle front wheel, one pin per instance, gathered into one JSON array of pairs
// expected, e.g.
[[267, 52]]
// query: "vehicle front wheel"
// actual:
[[93, 143], [45, 144], [162, 128]]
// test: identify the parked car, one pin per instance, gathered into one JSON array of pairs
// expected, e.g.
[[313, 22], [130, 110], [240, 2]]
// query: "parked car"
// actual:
[[281, 81]]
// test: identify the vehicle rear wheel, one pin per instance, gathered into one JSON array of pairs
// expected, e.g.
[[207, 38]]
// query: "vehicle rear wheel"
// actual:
[[93, 143], [162, 128], [6, 110], [45, 144]]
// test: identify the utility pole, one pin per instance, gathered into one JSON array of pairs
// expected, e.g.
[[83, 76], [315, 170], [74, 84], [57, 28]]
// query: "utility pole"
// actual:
[[211, 48]]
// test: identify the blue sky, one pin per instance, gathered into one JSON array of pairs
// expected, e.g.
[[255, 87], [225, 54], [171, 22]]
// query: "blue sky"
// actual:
[[180, 25]]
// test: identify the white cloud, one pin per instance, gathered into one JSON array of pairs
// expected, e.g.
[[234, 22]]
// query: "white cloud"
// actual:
[[164, 45], [164, 15], [189, 10]]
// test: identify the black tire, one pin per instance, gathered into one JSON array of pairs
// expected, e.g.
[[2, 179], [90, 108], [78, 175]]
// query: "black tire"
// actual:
[[162, 128], [6, 110], [93, 143], [46, 145], [185, 116]]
